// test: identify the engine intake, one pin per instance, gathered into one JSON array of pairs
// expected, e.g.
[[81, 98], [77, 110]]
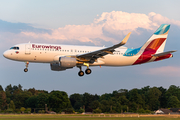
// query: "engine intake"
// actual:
[[67, 62]]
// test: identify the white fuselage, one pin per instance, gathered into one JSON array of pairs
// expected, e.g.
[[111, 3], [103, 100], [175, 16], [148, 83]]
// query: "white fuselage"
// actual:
[[46, 53]]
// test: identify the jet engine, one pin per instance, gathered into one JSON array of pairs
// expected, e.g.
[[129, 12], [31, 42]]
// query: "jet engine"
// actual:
[[56, 67], [67, 62], [63, 63]]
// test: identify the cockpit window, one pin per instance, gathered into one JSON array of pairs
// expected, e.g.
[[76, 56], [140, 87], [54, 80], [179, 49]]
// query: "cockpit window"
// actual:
[[15, 48]]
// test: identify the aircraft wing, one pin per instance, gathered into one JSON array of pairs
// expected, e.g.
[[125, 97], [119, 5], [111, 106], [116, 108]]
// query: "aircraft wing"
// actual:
[[164, 53], [102, 52]]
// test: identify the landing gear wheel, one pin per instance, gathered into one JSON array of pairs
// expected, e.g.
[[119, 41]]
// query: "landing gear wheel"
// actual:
[[25, 70], [88, 71], [81, 73]]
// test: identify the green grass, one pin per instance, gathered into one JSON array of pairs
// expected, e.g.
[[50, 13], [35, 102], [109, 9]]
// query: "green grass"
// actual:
[[87, 117]]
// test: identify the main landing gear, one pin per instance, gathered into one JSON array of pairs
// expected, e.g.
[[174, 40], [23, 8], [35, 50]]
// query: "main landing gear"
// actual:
[[26, 69], [80, 73], [87, 71]]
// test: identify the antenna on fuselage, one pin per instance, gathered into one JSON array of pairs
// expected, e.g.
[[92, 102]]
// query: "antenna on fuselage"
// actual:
[[29, 41]]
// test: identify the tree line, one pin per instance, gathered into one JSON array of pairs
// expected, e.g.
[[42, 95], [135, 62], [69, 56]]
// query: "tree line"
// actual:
[[145, 100]]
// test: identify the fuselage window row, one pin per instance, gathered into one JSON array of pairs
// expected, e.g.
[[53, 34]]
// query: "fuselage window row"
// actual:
[[76, 51]]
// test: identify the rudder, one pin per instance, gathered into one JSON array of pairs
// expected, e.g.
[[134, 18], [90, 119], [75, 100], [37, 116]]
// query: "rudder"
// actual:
[[158, 40]]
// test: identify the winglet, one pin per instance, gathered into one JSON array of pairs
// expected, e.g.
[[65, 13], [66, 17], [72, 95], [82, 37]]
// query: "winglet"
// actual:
[[126, 38]]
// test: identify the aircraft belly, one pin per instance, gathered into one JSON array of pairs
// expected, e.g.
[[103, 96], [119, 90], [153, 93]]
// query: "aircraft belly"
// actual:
[[125, 61], [119, 60]]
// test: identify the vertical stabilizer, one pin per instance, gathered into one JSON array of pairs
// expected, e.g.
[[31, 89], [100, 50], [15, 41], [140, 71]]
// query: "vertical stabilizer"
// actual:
[[158, 40], [154, 46]]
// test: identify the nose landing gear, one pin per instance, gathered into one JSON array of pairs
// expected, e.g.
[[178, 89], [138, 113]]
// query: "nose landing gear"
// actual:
[[26, 69]]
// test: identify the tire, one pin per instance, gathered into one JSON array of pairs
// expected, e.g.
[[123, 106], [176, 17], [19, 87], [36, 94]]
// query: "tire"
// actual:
[[88, 71], [25, 70], [81, 73]]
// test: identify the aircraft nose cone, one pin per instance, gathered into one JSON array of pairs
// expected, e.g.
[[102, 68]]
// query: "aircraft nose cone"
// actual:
[[5, 54]]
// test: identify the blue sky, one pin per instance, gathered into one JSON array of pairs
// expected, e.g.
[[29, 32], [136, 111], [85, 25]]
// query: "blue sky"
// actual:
[[95, 23]]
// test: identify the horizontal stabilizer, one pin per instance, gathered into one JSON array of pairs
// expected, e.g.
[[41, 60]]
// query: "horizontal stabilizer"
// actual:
[[164, 53]]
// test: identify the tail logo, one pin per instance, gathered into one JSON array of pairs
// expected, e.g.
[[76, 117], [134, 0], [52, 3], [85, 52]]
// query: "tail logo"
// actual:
[[162, 30], [154, 44]]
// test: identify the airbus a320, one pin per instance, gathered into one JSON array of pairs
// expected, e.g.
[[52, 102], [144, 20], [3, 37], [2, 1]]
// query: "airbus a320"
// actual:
[[62, 57]]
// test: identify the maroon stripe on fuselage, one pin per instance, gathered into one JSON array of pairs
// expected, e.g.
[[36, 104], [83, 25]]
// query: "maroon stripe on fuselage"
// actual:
[[149, 51]]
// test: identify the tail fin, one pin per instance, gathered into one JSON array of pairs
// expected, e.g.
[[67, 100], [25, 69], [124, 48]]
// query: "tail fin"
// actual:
[[158, 40], [153, 49]]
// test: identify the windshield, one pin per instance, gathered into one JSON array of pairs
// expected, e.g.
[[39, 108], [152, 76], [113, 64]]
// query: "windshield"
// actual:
[[15, 48]]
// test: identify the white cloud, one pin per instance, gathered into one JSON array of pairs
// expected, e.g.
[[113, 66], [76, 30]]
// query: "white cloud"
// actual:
[[118, 20], [108, 27], [159, 19], [171, 71]]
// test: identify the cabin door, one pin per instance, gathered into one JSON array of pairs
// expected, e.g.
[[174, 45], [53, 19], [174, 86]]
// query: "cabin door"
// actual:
[[28, 49]]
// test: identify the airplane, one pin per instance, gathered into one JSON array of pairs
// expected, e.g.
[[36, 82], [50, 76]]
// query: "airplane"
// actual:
[[62, 57]]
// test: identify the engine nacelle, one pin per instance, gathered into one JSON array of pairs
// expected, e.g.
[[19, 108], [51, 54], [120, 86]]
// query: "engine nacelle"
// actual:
[[67, 62], [56, 67], [64, 61]]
